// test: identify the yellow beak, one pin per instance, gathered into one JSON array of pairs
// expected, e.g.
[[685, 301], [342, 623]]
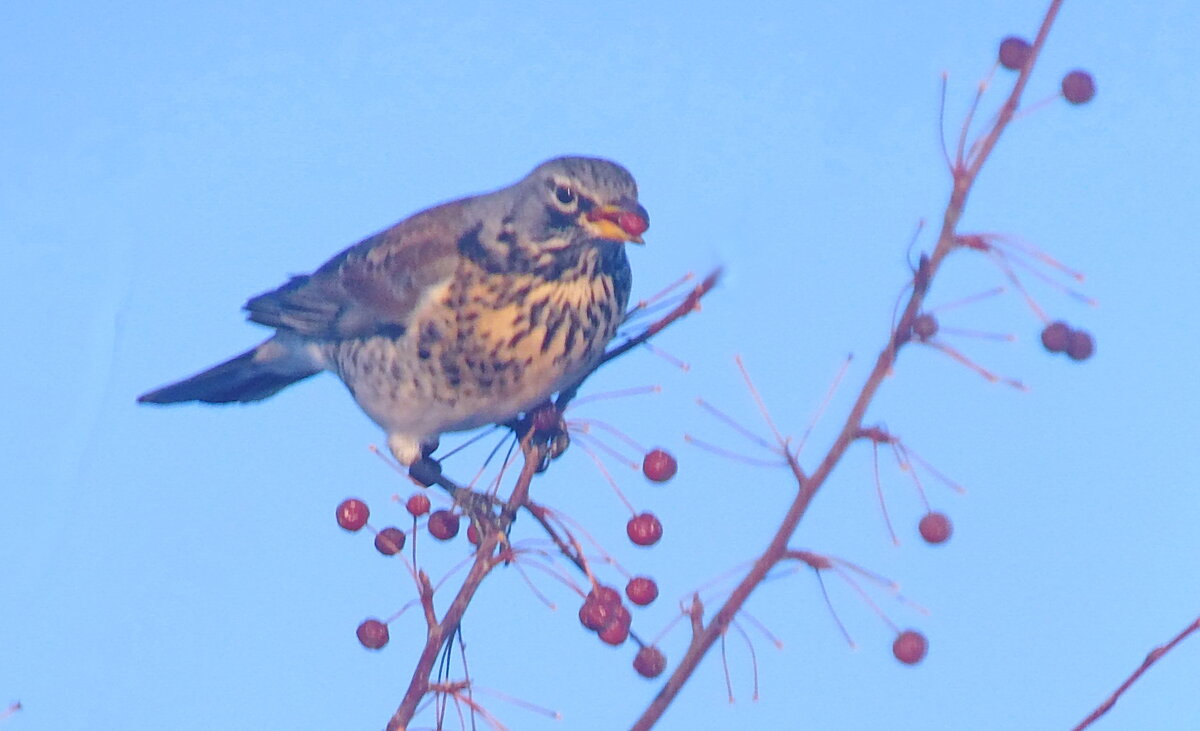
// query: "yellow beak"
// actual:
[[625, 222]]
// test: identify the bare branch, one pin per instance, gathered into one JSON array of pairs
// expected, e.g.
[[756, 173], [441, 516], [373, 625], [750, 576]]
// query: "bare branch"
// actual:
[[1152, 657], [963, 178]]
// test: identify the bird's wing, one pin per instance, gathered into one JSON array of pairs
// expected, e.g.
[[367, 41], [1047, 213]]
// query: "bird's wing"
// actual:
[[372, 287]]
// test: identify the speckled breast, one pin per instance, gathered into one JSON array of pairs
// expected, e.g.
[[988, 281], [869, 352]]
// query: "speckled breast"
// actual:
[[487, 346]]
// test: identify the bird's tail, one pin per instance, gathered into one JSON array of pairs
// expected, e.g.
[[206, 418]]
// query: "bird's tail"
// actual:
[[252, 376]]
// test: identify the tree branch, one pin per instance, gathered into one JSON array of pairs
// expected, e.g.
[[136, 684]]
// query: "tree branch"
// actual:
[[964, 177], [534, 449], [443, 632], [1152, 657]]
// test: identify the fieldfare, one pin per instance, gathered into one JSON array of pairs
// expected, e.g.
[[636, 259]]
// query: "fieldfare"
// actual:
[[468, 313]]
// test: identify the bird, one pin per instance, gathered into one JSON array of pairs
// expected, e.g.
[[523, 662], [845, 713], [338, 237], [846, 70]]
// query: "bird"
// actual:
[[465, 314]]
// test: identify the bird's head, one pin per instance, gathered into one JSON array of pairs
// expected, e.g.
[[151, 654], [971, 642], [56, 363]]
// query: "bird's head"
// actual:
[[573, 200]]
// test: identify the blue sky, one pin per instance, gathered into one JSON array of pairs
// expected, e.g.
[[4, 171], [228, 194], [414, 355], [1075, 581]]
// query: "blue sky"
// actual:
[[181, 568]]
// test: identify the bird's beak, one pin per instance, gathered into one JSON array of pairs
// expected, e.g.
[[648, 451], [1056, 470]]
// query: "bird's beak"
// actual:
[[626, 221]]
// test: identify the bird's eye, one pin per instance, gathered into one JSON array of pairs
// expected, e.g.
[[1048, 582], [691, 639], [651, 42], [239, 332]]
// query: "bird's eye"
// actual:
[[564, 194]]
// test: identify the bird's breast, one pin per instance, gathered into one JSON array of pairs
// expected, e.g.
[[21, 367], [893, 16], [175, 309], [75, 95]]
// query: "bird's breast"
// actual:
[[484, 347], [548, 331]]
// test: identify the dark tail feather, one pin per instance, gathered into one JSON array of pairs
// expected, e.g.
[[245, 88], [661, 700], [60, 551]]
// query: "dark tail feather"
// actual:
[[239, 379]]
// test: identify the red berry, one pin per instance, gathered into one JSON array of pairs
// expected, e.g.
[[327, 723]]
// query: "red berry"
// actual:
[[443, 525], [1080, 345], [601, 605], [593, 615], [910, 646], [1014, 52], [472, 535], [616, 630], [614, 634], [631, 223], [935, 528], [390, 541], [373, 634], [925, 326], [606, 595], [650, 662], [1055, 336], [641, 590], [659, 466], [417, 505], [1078, 87], [352, 514], [644, 529]]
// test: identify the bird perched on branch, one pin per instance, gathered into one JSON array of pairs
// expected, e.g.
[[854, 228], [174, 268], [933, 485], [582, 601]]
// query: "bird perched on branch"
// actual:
[[465, 314]]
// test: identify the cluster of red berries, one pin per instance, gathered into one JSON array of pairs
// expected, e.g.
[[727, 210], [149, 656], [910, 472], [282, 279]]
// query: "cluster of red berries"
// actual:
[[604, 613], [645, 529], [352, 515], [1078, 87], [1059, 337]]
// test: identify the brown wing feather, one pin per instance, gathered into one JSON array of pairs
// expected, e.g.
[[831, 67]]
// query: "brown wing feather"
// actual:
[[373, 286]]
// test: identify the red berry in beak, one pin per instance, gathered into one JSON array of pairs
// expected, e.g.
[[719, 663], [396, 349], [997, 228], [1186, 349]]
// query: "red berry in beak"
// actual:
[[632, 223]]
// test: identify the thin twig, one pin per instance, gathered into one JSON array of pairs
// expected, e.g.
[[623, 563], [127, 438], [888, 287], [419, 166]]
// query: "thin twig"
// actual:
[[1154, 656]]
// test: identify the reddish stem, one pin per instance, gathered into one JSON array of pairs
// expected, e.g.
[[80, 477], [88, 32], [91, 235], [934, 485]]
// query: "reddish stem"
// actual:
[[1152, 657]]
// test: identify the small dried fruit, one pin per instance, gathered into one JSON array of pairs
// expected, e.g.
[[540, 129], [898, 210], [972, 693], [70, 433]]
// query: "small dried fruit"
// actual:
[[417, 505], [935, 528], [1014, 52], [1078, 87], [1055, 336], [641, 590], [910, 647], [659, 466], [616, 631], [352, 514], [373, 634], [644, 529], [443, 525], [925, 326], [1080, 345], [650, 662], [390, 541]]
